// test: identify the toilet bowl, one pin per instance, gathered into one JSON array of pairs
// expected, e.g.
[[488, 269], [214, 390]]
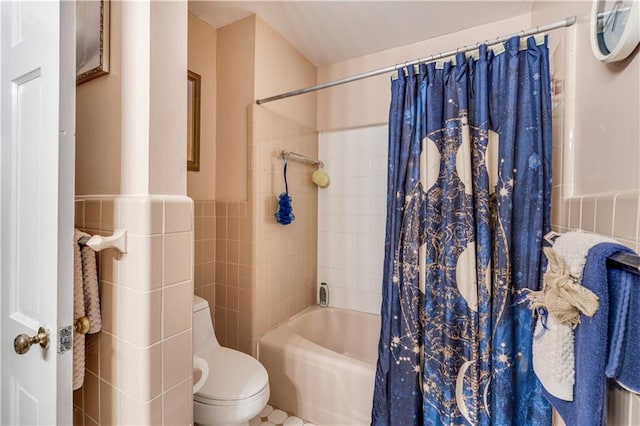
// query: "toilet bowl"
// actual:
[[236, 386]]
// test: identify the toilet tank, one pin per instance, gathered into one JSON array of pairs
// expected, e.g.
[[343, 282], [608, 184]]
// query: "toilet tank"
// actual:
[[203, 334]]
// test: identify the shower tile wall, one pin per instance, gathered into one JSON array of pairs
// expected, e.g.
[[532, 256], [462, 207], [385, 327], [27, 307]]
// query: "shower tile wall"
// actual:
[[285, 263], [615, 214], [265, 272], [351, 217], [146, 303]]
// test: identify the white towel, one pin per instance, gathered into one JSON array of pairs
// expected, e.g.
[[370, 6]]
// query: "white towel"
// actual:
[[86, 301], [553, 351]]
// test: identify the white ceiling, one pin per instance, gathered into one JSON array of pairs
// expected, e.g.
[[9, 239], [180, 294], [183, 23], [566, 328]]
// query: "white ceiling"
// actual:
[[327, 31]]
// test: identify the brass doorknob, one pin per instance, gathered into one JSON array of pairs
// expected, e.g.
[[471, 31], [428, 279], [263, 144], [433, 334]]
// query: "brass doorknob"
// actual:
[[82, 325], [23, 342]]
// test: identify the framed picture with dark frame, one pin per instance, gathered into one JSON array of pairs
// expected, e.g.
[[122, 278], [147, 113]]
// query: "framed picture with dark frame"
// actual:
[[92, 39], [193, 121]]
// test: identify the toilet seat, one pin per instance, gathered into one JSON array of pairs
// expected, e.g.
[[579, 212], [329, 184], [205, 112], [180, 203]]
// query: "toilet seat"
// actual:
[[234, 377]]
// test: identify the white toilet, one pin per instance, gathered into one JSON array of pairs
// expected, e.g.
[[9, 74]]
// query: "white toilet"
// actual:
[[236, 386]]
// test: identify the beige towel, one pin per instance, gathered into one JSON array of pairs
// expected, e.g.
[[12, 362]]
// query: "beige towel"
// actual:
[[78, 311], [90, 289], [86, 301]]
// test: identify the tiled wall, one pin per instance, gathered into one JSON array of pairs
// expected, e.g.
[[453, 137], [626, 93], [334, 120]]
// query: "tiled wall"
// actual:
[[234, 258], [351, 217], [264, 272], [138, 368], [204, 258], [614, 214], [285, 256]]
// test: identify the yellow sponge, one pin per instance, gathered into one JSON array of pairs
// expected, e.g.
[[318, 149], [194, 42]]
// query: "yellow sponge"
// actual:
[[320, 178]]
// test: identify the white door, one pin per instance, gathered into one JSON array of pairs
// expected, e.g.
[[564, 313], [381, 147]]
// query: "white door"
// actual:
[[37, 111]]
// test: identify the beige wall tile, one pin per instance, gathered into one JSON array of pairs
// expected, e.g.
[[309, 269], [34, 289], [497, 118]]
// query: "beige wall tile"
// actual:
[[141, 267], [79, 214], [134, 412], [92, 350], [198, 230], [208, 208], [176, 359], [588, 214], [107, 406], [138, 369], [106, 215], [91, 395], [625, 224], [178, 214], [92, 214], [604, 214], [139, 316], [77, 399], [107, 356], [178, 308], [78, 417], [108, 305], [208, 272], [178, 404], [139, 215], [177, 260]]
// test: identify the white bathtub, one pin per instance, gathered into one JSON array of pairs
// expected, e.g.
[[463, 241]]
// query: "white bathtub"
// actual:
[[322, 364]]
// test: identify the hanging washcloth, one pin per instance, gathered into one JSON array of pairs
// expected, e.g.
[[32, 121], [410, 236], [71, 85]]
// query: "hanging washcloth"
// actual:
[[562, 296], [284, 215]]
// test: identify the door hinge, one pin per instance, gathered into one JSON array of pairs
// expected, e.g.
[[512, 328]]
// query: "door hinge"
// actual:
[[65, 339]]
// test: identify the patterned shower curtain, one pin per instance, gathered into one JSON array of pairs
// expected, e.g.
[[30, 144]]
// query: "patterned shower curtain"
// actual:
[[469, 189]]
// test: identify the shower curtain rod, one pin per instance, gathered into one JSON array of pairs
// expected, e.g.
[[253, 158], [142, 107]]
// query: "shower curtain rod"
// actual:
[[567, 22]]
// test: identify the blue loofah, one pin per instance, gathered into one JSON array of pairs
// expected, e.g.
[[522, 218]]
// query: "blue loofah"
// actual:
[[284, 215]]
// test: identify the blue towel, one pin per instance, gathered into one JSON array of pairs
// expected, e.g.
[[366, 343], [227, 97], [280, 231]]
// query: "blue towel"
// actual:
[[610, 325], [624, 329]]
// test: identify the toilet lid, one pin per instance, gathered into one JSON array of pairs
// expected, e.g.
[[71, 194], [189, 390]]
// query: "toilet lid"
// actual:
[[233, 375]]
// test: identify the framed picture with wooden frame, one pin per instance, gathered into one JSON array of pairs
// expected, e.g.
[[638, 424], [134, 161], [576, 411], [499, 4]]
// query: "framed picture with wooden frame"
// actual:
[[92, 39], [193, 121]]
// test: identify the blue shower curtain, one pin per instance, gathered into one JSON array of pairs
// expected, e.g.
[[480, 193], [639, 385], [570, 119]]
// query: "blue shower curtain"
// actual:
[[469, 188]]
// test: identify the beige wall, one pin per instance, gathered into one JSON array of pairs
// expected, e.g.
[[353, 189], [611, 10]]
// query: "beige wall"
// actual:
[[366, 102], [254, 61], [607, 108], [235, 84], [280, 68], [202, 60], [167, 98], [98, 122]]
